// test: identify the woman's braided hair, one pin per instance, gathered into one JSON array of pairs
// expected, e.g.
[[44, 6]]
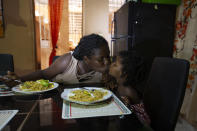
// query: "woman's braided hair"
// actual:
[[87, 45]]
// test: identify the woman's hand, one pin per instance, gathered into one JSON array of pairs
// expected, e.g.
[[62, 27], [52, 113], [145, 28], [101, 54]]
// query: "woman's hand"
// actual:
[[11, 79]]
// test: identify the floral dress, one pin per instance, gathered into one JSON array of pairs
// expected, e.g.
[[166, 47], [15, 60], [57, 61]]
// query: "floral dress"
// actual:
[[141, 113], [138, 109]]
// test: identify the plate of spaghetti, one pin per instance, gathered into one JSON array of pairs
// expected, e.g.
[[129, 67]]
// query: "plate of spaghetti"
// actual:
[[31, 87], [86, 95]]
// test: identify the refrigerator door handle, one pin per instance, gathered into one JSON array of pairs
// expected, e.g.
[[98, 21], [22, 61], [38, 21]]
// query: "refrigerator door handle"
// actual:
[[113, 41], [112, 25]]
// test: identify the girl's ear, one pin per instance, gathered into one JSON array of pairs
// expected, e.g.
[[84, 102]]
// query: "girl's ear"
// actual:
[[124, 75]]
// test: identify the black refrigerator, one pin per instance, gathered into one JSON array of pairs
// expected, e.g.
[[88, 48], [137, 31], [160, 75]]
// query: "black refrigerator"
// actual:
[[147, 28]]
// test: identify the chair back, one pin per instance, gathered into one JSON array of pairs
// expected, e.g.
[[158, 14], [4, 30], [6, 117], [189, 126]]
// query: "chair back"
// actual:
[[165, 91], [6, 63]]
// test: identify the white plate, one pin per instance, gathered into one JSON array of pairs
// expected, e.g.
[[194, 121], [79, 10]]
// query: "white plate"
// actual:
[[68, 92], [18, 90], [4, 88], [7, 94], [5, 91]]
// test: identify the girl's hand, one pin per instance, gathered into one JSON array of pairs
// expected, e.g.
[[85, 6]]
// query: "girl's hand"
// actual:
[[109, 81], [126, 100]]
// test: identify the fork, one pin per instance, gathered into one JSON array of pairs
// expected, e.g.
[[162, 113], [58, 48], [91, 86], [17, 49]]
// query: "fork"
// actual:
[[88, 90]]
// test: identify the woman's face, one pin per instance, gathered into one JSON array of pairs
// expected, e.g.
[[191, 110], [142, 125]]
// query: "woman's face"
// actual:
[[115, 69], [100, 59]]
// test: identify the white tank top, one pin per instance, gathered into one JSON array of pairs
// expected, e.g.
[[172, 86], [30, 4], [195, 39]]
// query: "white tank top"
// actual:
[[70, 76]]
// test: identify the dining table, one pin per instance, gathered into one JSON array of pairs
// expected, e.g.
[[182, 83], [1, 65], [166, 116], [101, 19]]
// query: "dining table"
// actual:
[[43, 112]]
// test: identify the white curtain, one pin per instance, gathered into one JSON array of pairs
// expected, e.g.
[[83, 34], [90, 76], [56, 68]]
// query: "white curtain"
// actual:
[[185, 47]]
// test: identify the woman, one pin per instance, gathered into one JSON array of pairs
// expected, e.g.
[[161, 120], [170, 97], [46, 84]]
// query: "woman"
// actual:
[[84, 65], [129, 71]]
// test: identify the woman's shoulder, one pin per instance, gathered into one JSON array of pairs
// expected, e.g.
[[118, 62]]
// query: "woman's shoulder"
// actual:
[[68, 54], [65, 57], [62, 61]]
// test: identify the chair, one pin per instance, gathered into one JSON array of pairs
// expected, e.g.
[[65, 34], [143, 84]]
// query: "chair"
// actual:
[[165, 91], [6, 63], [54, 58]]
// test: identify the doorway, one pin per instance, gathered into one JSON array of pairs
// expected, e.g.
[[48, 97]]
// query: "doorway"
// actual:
[[69, 34]]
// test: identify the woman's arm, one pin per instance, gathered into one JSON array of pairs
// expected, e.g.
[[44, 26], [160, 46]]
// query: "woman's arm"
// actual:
[[56, 68], [33, 76]]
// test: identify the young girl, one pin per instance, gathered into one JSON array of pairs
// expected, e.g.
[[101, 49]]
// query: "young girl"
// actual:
[[129, 71]]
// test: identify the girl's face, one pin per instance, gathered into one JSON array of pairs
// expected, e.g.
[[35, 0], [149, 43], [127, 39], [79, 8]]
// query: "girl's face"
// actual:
[[116, 68]]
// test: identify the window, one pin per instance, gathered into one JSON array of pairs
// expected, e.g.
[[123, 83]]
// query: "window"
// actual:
[[70, 29], [75, 22]]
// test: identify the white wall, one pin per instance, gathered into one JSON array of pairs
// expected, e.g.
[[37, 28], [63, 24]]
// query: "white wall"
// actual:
[[96, 18]]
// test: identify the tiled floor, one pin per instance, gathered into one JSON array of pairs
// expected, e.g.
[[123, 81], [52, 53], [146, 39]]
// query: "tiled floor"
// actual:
[[194, 124], [45, 53], [183, 125]]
